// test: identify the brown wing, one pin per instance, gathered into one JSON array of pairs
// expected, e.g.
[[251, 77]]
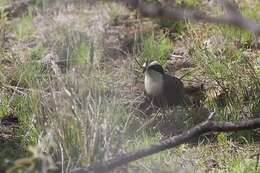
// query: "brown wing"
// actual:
[[173, 90]]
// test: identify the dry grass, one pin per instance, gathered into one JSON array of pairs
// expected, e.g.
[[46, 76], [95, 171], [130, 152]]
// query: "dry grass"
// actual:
[[74, 109]]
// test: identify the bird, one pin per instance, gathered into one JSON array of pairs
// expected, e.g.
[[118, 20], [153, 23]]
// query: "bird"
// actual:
[[161, 88]]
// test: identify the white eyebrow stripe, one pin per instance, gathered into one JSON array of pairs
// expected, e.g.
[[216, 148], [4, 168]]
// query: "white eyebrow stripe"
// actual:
[[154, 63]]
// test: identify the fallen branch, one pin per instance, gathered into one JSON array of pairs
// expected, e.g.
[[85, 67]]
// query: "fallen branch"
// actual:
[[16, 9], [202, 128], [232, 16]]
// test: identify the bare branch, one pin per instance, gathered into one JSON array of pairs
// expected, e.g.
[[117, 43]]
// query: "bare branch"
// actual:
[[233, 16], [202, 128]]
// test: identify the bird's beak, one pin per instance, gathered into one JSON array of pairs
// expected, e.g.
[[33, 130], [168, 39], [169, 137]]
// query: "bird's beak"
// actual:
[[144, 69], [145, 65]]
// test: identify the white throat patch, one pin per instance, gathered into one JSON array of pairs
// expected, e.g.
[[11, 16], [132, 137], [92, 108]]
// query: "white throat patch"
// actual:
[[153, 83]]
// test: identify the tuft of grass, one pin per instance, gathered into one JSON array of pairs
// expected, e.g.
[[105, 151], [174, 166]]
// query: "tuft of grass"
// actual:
[[4, 2], [88, 121], [233, 73], [24, 28], [38, 159], [114, 11], [22, 107], [4, 107], [4, 28], [244, 38], [154, 46], [189, 3], [72, 47]]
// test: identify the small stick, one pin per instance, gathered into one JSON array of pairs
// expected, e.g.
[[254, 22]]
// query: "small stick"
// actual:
[[257, 155]]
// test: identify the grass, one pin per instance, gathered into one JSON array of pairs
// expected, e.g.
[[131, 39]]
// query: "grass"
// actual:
[[154, 46], [83, 113], [114, 11], [232, 71], [11, 151], [189, 3], [245, 38], [24, 28], [197, 158], [4, 2]]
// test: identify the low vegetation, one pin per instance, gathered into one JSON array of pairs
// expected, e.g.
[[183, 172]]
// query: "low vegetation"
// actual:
[[64, 103]]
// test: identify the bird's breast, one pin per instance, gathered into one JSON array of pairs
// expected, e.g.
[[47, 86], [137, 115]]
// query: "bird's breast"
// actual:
[[153, 85]]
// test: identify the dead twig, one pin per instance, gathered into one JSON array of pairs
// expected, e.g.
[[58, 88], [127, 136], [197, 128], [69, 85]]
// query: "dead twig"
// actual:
[[257, 155], [200, 129], [233, 16]]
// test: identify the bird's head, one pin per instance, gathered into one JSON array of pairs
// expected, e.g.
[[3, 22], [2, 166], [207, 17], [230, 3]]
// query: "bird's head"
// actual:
[[152, 66]]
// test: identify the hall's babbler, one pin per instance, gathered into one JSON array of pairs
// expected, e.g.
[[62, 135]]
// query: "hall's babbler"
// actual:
[[163, 89]]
